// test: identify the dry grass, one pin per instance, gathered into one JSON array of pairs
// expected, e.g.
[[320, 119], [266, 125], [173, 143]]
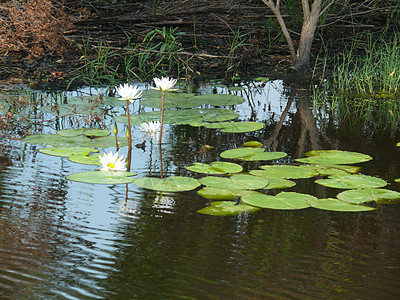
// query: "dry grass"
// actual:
[[32, 28]]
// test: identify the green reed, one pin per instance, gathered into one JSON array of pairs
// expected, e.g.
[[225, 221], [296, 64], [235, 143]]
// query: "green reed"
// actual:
[[376, 71]]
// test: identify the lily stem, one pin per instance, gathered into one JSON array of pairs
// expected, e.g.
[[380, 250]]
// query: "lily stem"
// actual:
[[162, 117]]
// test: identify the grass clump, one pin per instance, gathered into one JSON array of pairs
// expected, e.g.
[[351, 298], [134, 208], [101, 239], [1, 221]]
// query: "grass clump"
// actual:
[[376, 73]]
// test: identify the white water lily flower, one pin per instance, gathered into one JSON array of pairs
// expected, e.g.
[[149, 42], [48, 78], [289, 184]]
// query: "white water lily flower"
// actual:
[[111, 162], [128, 92], [151, 128], [164, 84]]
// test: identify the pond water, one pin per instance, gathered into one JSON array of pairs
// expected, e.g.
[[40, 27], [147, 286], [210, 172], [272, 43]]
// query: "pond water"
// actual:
[[69, 240]]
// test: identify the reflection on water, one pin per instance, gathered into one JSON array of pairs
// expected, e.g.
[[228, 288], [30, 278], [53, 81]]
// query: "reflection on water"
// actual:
[[63, 239]]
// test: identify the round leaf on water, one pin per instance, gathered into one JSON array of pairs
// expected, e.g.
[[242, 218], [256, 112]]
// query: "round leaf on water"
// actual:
[[265, 156], [102, 177], [338, 205], [92, 159], [367, 195], [227, 208], [253, 144], [172, 100], [289, 172], [237, 181], [210, 192], [96, 132], [241, 153], [219, 99], [284, 200], [169, 184], [67, 151], [215, 168], [49, 139], [240, 127], [62, 141], [336, 170], [331, 157], [71, 132], [275, 181], [356, 181], [184, 116]]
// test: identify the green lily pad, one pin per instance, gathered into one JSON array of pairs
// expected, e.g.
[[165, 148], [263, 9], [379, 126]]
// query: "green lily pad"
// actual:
[[240, 153], [56, 140], [172, 100], [102, 177], [336, 170], [275, 181], [235, 127], [381, 196], [71, 132], [92, 159], [227, 208], [49, 139], [67, 151], [169, 184], [287, 172], [251, 154], [253, 144], [181, 117], [284, 200], [338, 205], [84, 131], [352, 181], [334, 157], [237, 181], [210, 192], [215, 168]]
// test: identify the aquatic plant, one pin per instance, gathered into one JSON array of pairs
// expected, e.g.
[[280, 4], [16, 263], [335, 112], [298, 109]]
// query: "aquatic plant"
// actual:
[[163, 84], [112, 162], [129, 93]]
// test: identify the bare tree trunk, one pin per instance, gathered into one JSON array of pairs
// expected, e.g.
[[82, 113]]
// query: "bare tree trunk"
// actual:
[[310, 22], [301, 58]]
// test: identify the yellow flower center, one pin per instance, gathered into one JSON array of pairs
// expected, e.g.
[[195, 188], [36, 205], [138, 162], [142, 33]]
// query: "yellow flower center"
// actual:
[[111, 165]]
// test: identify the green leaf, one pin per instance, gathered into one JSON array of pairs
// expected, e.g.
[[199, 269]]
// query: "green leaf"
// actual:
[[333, 157], [169, 184], [356, 181], [67, 151], [335, 170], [338, 205], [182, 117], [288, 172], [92, 159], [237, 181], [253, 144], [102, 177], [241, 153], [284, 200], [227, 208], [210, 192], [215, 168], [382, 196], [71, 132], [241, 127]]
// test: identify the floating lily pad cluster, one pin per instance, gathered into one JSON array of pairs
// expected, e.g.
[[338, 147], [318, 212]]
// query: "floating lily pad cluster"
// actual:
[[360, 188], [241, 192]]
